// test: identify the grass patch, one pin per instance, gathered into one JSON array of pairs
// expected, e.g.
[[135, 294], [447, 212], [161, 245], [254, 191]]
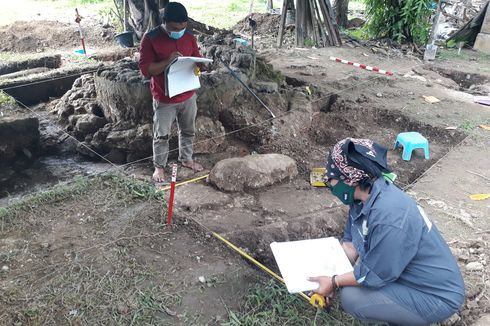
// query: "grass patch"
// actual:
[[468, 126], [85, 2], [123, 188], [270, 303], [359, 34], [6, 100], [14, 56], [84, 293], [222, 14], [92, 253], [451, 54], [10, 214]]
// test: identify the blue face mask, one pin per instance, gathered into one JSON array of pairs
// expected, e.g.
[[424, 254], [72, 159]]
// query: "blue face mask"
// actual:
[[176, 35]]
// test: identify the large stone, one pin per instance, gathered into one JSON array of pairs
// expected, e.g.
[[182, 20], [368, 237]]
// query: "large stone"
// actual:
[[120, 138], [266, 87], [482, 43], [218, 90], [17, 134], [210, 135], [485, 27], [123, 93], [483, 321], [475, 266], [89, 124], [252, 171], [197, 196]]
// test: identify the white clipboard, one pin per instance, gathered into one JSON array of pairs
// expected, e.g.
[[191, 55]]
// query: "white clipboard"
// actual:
[[298, 260], [180, 76]]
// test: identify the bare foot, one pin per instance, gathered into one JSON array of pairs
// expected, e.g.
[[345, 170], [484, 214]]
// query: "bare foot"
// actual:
[[159, 175], [196, 167]]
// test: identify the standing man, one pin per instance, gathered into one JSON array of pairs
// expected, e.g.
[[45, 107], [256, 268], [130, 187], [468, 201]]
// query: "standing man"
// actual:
[[159, 47]]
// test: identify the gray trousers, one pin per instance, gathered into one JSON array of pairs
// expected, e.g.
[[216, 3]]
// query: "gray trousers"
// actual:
[[164, 116], [395, 304]]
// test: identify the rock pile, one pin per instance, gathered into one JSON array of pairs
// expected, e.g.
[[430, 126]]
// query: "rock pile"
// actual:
[[19, 145], [111, 111]]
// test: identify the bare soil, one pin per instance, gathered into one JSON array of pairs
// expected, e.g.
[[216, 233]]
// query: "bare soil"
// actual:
[[102, 256], [65, 257], [40, 36]]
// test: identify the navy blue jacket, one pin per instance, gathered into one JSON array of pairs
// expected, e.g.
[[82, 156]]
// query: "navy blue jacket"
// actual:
[[396, 241]]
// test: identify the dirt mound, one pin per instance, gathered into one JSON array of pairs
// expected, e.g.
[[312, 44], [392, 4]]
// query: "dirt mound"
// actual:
[[266, 31], [37, 36], [200, 28], [267, 24]]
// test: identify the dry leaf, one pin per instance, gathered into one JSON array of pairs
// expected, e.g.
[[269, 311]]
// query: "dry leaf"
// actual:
[[480, 197], [486, 127], [431, 99]]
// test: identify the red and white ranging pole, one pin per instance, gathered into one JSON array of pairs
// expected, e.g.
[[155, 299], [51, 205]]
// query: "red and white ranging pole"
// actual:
[[362, 66], [172, 194]]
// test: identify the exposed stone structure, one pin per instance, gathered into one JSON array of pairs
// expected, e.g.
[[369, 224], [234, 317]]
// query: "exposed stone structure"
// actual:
[[111, 111]]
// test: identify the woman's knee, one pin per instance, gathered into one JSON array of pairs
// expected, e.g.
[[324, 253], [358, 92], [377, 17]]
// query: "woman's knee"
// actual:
[[350, 298]]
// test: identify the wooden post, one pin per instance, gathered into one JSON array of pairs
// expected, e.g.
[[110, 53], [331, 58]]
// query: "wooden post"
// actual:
[[321, 25], [314, 22], [333, 23], [328, 22], [300, 23], [282, 23], [308, 22], [270, 5]]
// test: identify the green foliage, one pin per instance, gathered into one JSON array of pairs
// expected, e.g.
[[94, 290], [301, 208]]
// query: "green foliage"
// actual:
[[5, 99], [309, 42], [84, 2], [132, 188], [359, 34], [123, 188], [404, 21], [59, 193], [271, 304]]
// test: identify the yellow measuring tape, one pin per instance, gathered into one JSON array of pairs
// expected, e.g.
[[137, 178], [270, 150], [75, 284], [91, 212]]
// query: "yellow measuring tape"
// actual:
[[184, 182], [315, 300]]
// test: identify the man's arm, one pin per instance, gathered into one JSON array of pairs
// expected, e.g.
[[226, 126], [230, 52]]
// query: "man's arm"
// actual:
[[350, 251], [148, 64], [156, 68]]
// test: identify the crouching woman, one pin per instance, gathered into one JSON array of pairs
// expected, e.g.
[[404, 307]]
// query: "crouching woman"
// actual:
[[404, 272]]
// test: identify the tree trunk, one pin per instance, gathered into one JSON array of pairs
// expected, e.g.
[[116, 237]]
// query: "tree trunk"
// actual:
[[144, 15], [341, 11], [270, 5]]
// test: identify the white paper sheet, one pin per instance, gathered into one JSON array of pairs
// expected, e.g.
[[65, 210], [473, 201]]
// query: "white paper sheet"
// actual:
[[298, 260], [180, 77]]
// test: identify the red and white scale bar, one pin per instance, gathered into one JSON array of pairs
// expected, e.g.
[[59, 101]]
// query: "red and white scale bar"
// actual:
[[362, 66]]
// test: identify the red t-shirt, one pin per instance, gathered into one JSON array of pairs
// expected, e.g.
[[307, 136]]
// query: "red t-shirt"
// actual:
[[157, 46]]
